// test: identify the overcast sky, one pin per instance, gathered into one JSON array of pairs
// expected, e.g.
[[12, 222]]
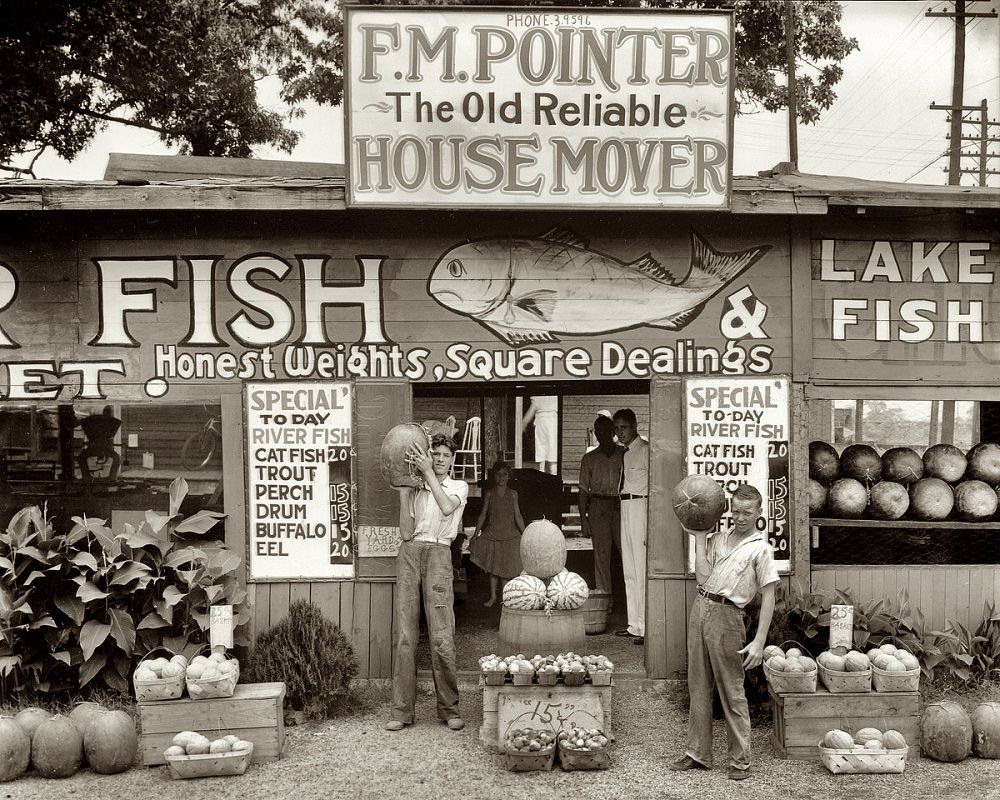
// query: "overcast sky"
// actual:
[[880, 127]]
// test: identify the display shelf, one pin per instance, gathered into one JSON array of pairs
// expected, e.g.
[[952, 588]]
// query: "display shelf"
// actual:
[[905, 524]]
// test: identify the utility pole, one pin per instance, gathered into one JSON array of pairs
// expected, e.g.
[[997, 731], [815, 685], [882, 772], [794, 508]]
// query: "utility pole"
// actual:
[[793, 132], [983, 139], [960, 15]]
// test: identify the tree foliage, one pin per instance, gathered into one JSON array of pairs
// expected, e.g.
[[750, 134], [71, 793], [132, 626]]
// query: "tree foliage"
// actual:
[[186, 69], [189, 69]]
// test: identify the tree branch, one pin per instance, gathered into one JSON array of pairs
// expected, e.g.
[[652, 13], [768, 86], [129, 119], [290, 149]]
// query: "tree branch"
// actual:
[[124, 121]]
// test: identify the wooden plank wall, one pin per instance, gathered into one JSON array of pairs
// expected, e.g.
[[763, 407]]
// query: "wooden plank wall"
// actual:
[[956, 592], [363, 610], [440, 408], [579, 412]]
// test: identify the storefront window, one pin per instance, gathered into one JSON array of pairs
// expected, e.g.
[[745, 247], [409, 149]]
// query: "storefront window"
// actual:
[[919, 524], [110, 461], [885, 424]]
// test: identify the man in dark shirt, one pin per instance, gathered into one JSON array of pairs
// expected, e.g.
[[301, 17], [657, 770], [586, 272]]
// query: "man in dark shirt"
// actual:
[[600, 474]]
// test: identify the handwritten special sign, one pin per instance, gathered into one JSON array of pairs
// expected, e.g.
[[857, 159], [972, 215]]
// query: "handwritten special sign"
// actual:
[[554, 108], [737, 431], [299, 483]]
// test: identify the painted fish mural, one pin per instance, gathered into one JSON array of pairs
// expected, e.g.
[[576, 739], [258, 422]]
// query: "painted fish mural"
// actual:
[[529, 290]]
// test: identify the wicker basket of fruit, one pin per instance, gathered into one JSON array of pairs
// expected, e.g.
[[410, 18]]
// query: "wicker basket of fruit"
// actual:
[[790, 671], [160, 678], [599, 670], [868, 751], [215, 675], [848, 673], [547, 675], [193, 755], [529, 750], [894, 669], [582, 748], [572, 669], [522, 673], [494, 670]]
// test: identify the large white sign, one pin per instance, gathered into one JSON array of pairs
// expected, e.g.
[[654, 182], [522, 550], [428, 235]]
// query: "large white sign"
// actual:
[[737, 431], [543, 108], [299, 484]]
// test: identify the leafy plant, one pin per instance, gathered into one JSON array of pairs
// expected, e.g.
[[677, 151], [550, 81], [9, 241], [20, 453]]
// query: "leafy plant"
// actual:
[[311, 655], [986, 654], [79, 608], [971, 655], [805, 617]]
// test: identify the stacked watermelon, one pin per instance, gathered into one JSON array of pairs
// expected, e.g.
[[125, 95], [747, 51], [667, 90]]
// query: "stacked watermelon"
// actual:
[[941, 484], [543, 554]]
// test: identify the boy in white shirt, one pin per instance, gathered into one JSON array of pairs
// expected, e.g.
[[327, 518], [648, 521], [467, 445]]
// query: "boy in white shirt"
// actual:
[[429, 519]]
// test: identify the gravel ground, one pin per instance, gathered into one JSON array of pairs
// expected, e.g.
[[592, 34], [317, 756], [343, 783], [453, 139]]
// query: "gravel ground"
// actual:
[[353, 757]]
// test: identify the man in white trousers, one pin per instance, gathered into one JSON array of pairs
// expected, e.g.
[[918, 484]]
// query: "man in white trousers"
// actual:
[[633, 492]]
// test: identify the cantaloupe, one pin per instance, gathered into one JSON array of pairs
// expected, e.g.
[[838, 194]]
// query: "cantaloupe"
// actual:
[[15, 749], [835, 663], [543, 549], [30, 718], [946, 732], [838, 740], [856, 661], [56, 748], [893, 740], [110, 742], [865, 735], [986, 730]]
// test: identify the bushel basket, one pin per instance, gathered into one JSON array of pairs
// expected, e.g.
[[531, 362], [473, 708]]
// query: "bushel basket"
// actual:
[[223, 686], [573, 758], [845, 682], [158, 688], [531, 761], [885, 681], [208, 765], [791, 682], [856, 761], [908, 681]]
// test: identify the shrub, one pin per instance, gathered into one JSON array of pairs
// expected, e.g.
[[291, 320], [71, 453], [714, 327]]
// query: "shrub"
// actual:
[[313, 657]]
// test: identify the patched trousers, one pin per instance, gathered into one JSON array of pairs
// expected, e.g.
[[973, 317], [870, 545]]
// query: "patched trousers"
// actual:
[[421, 564], [716, 631]]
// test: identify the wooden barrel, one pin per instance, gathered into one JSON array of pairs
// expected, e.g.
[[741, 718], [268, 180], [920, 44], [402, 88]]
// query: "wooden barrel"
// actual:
[[596, 611], [532, 632]]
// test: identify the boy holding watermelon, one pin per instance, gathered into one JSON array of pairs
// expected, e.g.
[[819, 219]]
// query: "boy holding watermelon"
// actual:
[[429, 519], [732, 569]]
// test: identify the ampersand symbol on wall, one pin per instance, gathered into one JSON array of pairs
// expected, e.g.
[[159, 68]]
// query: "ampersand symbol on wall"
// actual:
[[743, 315]]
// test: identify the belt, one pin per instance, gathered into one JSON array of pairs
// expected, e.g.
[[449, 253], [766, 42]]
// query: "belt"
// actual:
[[716, 598], [604, 497], [632, 496]]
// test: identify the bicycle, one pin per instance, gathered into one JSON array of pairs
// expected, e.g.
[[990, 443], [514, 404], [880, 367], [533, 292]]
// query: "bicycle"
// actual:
[[201, 445]]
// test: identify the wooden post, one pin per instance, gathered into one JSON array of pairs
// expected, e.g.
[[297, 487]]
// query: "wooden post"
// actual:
[[793, 135], [957, 81]]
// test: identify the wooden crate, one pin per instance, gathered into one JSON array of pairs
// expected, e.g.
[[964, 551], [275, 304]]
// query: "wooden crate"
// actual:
[[801, 720], [550, 704], [254, 713]]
